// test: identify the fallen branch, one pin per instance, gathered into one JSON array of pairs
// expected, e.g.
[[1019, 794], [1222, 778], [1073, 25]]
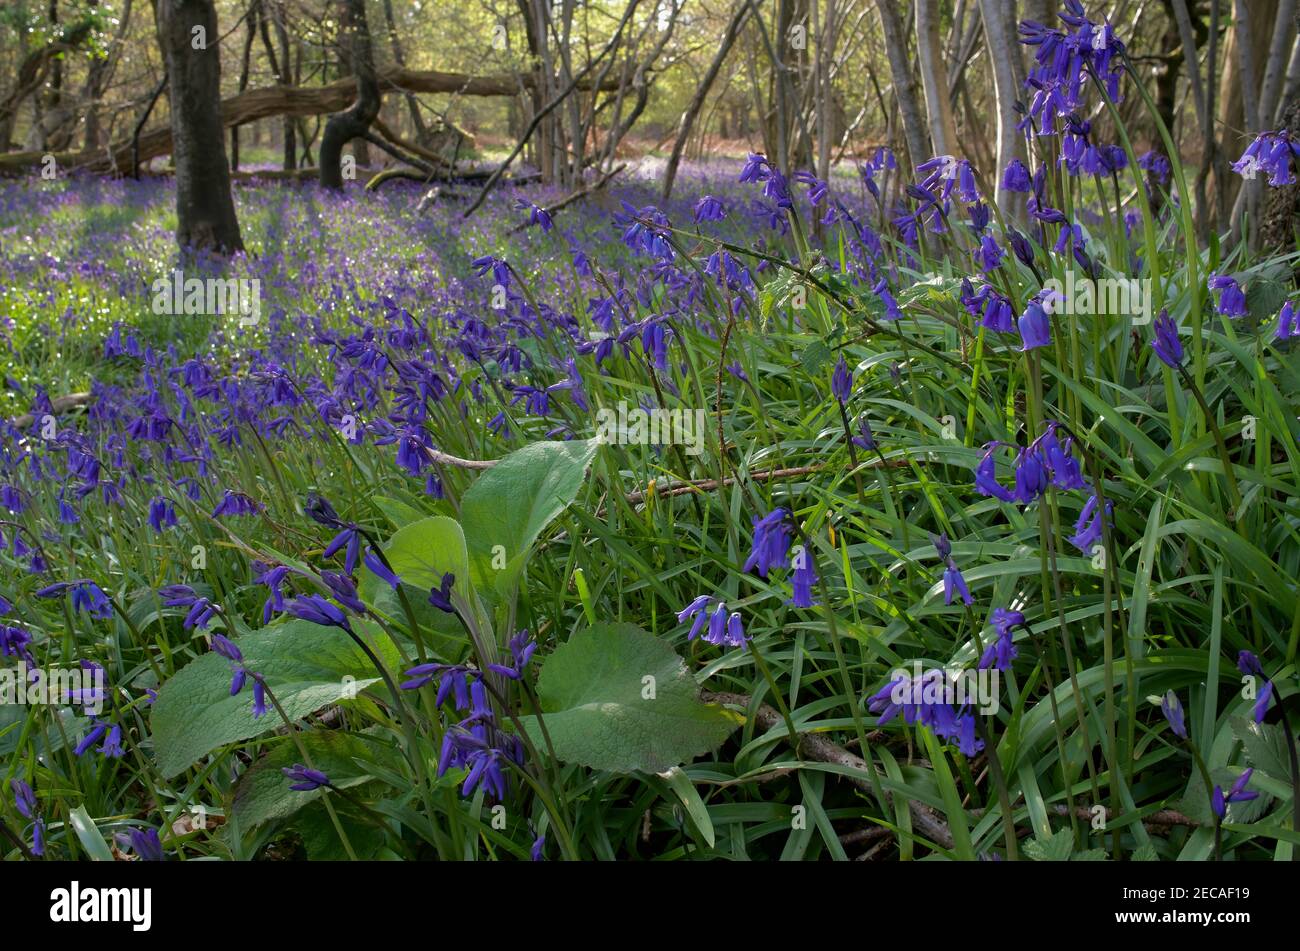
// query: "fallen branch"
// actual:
[[60, 404], [269, 101], [577, 195], [824, 751]]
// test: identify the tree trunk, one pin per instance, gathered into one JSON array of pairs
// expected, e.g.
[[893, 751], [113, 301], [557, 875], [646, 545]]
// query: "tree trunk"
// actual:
[[205, 210], [900, 70], [934, 79], [701, 93], [354, 121], [1002, 53]]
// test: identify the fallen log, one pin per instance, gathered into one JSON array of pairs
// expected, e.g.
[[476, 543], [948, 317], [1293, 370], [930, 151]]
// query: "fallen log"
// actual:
[[269, 101], [60, 404]]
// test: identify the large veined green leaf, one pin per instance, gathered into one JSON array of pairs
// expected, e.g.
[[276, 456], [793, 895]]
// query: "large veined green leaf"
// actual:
[[619, 699], [510, 504], [421, 553], [307, 667]]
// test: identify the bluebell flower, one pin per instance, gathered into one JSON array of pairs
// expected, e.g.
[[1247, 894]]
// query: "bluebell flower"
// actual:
[[1232, 299], [805, 576], [771, 543], [1064, 468], [1031, 476], [941, 545], [1002, 651], [305, 779], [1238, 793], [162, 515], [986, 481], [319, 510], [1088, 526], [709, 208], [865, 439], [440, 597], [349, 538], [1271, 152], [1035, 324], [955, 585], [1173, 711], [536, 214], [1262, 701], [1015, 178], [318, 610], [381, 570], [842, 381], [522, 647], [1287, 324], [1020, 246], [1166, 344], [25, 802], [236, 503], [143, 842]]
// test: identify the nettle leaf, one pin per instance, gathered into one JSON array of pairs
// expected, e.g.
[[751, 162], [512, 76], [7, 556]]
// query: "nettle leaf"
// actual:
[[815, 356], [307, 667], [509, 505], [1054, 848], [1264, 298], [263, 794], [1265, 745], [619, 699]]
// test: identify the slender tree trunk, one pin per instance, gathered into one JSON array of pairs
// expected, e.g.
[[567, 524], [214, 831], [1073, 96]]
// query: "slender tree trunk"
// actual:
[[701, 93], [1002, 52], [250, 34], [900, 69], [354, 121], [205, 210], [934, 79]]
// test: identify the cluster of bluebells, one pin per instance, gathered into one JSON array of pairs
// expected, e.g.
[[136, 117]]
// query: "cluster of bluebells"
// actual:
[[1271, 153], [719, 627], [476, 743], [29, 809], [923, 699], [1065, 61]]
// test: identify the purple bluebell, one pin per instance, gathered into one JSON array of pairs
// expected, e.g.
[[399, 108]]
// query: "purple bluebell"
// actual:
[[1270, 152], [305, 779], [842, 381], [1015, 178], [1232, 299], [521, 647], [1165, 343], [317, 610], [709, 208], [954, 585], [1031, 476], [1173, 711], [440, 597], [805, 576], [143, 842], [1287, 324], [162, 515], [1003, 650], [1035, 324], [771, 543], [381, 570], [236, 503], [986, 481], [1237, 793]]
